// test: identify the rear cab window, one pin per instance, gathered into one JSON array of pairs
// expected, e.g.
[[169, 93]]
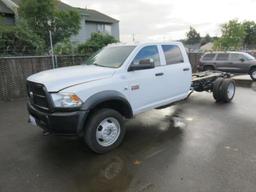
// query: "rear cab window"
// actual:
[[209, 57], [222, 57], [172, 54]]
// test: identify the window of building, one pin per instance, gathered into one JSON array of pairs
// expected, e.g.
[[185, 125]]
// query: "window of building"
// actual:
[[100, 28], [108, 29]]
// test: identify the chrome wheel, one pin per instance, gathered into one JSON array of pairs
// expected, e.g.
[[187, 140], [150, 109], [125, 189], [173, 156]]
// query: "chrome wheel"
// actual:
[[254, 74], [231, 90], [108, 132]]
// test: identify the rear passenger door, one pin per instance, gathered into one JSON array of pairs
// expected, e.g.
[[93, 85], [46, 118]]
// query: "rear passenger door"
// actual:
[[222, 62], [177, 72]]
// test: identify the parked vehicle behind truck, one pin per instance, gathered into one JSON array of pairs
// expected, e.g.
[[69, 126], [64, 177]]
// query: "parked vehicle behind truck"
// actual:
[[233, 62], [119, 82]]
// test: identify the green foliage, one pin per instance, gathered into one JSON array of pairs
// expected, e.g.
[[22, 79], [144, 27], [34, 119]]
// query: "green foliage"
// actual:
[[16, 40], [206, 39], [42, 16], [66, 24], [250, 30], [193, 36], [233, 35], [64, 48], [95, 43]]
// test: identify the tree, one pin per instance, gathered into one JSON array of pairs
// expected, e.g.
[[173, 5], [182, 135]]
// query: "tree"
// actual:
[[250, 30], [65, 47], [43, 16], [233, 35], [95, 43], [206, 39], [193, 36], [19, 40]]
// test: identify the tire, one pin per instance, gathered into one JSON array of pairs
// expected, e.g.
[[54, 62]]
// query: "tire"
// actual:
[[104, 131], [227, 90], [252, 73], [216, 89], [208, 68]]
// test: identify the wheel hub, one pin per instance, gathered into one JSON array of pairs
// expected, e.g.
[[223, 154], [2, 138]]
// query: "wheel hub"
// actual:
[[108, 132], [231, 90], [254, 74]]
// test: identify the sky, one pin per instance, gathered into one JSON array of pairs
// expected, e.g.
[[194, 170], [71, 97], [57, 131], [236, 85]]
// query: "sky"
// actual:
[[164, 20]]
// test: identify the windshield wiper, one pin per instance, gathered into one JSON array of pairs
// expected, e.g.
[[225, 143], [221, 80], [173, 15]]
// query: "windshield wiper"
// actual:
[[96, 64]]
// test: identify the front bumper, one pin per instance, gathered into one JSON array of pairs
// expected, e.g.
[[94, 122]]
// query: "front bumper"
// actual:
[[66, 123]]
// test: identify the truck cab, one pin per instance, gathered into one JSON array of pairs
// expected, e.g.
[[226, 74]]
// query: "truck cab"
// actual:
[[118, 82]]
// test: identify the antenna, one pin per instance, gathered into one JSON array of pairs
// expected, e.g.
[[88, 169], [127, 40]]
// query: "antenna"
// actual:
[[133, 37]]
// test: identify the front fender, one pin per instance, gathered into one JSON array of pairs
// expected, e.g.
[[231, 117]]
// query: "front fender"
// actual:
[[104, 96]]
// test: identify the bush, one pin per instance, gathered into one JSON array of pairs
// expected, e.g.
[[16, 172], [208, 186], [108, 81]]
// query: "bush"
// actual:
[[95, 43], [65, 48], [19, 40]]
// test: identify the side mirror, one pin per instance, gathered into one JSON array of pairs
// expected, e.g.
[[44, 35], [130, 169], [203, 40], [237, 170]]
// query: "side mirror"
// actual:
[[143, 64], [242, 59]]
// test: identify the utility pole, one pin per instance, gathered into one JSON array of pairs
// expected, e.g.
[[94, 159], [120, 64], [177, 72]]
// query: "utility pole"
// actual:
[[52, 52], [133, 37]]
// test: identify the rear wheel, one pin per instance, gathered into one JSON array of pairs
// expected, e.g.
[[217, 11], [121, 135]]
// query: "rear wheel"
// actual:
[[253, 74], [104, 131], [216, 89], [227, 90]]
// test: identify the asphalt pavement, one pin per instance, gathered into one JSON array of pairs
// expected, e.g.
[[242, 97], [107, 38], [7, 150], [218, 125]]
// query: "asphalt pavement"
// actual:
[[197, 145]]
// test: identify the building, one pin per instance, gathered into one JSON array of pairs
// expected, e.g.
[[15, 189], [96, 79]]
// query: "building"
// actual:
[[91, 20]]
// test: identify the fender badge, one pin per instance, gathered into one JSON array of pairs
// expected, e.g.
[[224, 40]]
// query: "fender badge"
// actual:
[[135, 87]]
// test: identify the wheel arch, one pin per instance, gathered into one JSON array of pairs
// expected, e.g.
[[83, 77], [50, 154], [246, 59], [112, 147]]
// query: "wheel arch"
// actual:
[[109, 99], [252, 67]]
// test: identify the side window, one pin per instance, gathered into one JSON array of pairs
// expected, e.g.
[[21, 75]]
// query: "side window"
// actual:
[[222, 57], [237, 57], [209, 57], [172, 54], [149, 53]]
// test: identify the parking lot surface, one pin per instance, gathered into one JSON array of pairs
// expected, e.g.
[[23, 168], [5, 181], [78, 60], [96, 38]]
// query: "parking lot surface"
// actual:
[[194, 146]]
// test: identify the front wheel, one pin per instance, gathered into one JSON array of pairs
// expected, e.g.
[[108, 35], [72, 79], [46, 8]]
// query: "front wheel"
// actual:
[[253, 74], [105, 130]]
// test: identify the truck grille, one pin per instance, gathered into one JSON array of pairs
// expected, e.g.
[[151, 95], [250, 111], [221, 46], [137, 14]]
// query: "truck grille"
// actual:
[[38, 96]]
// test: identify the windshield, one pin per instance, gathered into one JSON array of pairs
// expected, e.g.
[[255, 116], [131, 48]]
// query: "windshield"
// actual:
[[248, 56], [112, 57]]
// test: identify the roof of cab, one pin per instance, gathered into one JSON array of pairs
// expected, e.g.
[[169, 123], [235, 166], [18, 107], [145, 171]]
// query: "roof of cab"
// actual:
[[144, 44]]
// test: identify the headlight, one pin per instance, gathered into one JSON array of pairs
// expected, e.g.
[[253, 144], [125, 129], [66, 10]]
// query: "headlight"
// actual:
[[66, 100]]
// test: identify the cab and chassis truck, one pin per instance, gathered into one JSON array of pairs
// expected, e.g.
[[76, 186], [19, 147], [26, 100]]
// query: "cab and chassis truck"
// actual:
[[119, 82]]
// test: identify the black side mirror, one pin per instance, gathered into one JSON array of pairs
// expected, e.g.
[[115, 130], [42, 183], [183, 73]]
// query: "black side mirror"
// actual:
[[242, 59], [143, 64]]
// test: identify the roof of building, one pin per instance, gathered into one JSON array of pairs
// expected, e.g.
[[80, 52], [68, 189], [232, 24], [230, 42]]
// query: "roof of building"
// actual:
[[91, 15], [4, 8]]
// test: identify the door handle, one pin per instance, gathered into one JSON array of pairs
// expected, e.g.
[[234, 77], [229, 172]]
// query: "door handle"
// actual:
[[159, 74], [186, 69]]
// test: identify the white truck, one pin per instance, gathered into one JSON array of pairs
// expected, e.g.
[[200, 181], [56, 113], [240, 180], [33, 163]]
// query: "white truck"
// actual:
[[120, 81]]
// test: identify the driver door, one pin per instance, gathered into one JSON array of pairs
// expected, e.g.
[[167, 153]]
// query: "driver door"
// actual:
[[145, 85]]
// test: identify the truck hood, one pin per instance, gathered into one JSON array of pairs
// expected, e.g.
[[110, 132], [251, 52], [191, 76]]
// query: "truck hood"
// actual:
[[61, 78]]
